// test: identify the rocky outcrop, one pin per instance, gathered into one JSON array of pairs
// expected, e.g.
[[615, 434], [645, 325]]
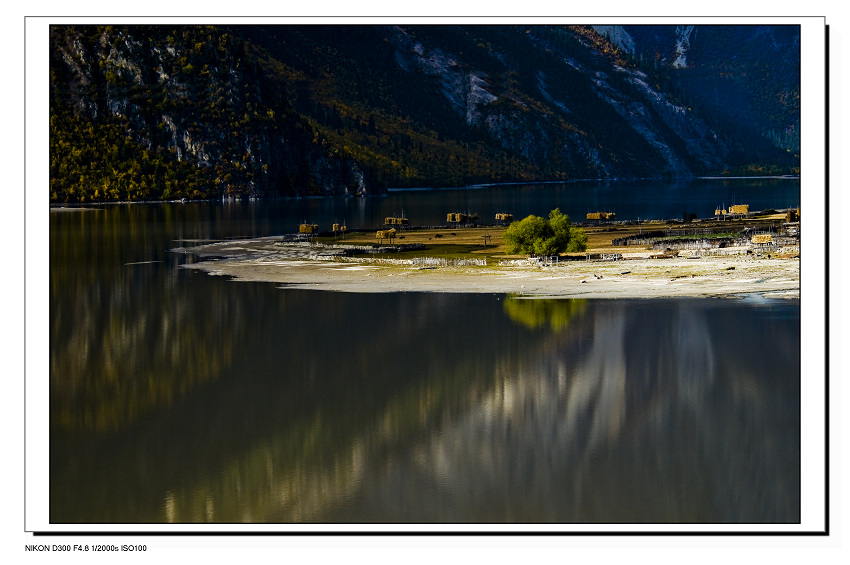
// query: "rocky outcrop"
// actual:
[[618, 36]]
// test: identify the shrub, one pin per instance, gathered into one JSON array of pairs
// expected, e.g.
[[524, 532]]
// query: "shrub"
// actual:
[[538, 236]]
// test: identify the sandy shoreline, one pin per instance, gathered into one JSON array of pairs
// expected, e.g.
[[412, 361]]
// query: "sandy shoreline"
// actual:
[[632, 278]]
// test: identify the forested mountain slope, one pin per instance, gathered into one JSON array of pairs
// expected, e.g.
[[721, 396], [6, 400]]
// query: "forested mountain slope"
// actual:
[[164, 112]]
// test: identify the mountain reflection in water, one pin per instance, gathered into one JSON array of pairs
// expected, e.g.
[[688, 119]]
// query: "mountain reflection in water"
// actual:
[[632, 411], [648, 417]]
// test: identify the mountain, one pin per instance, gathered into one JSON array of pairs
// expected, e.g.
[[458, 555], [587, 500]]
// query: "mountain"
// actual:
[[165, 112], [745, 79]]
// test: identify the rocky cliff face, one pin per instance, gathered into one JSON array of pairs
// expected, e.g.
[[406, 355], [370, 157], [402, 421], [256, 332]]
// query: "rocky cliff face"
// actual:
[[352, 110]]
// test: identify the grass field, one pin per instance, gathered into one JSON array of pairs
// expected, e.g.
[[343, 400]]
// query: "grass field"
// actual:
[[453, 243]]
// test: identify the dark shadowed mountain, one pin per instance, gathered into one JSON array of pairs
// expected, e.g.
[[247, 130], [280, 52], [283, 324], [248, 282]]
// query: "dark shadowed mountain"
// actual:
[[164, 112]]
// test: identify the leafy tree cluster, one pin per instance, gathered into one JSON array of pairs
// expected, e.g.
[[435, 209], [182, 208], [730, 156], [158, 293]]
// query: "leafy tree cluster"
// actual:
[[114, 119], [541, 236], [96, 161]]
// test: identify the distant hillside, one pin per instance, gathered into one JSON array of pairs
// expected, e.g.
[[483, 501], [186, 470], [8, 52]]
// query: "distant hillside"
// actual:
[[163, 112], [745, 80]]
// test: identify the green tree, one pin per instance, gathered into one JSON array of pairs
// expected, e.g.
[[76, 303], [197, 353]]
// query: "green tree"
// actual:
[[538, 236]]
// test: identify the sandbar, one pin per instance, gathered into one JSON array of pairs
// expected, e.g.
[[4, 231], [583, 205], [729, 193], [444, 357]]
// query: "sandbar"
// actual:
[[637, 277]]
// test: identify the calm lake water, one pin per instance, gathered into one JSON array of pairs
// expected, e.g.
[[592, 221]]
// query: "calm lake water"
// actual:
[[180, 397]]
